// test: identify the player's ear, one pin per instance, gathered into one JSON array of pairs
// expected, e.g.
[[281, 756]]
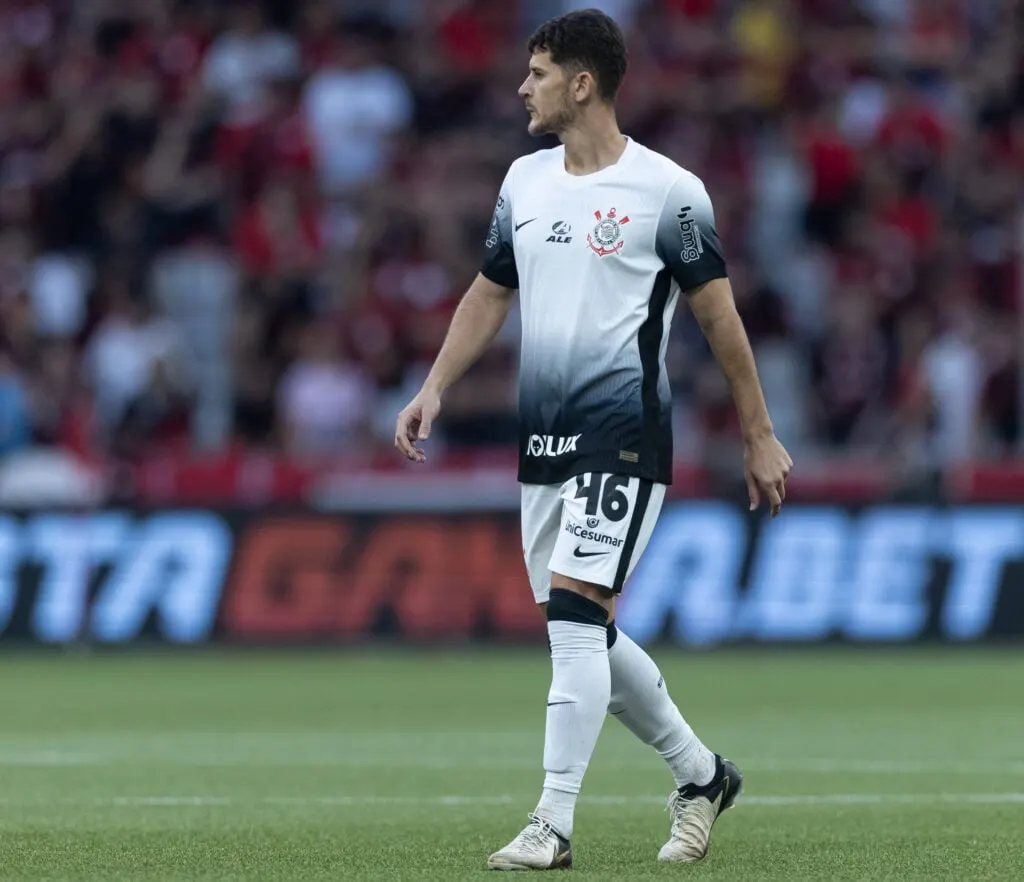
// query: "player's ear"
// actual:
[[583, 86]]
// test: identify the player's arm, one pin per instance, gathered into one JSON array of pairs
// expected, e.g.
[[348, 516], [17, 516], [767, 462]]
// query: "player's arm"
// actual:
[[478, 317], [689, 245], [714, 308]]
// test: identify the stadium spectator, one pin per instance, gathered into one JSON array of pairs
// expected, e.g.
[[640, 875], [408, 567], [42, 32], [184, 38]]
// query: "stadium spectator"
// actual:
[[136, 366], [325, 400], [355, 103], [245, 59]]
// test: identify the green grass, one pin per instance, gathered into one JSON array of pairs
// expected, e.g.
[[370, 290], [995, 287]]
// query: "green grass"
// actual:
[[859, 765]]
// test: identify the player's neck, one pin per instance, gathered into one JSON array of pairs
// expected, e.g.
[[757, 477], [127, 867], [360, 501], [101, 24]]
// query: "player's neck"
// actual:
[[592, 146]]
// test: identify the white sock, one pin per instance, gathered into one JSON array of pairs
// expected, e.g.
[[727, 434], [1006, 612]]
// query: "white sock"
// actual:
[[641, 702], [577, 706]]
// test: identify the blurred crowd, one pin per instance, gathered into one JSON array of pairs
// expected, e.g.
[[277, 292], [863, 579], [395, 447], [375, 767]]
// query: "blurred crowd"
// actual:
[[230, 222]]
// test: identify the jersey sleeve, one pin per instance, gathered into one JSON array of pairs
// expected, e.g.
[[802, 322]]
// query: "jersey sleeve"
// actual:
[[499, 263], [686, 239]]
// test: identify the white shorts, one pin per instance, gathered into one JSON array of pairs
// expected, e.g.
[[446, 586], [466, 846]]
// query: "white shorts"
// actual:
[[594, 528]]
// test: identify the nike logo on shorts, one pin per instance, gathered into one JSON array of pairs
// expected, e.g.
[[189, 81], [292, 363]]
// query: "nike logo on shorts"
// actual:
[[578, 553], [524, 223]]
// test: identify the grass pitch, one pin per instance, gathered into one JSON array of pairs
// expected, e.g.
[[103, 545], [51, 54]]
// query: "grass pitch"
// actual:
[[860, 765]]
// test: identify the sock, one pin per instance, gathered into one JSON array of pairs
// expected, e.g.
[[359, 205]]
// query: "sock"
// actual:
[[577, 702], [640, 700]]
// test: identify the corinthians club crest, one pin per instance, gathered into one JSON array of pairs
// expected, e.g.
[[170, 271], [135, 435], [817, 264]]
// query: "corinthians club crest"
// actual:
[[606, 237]]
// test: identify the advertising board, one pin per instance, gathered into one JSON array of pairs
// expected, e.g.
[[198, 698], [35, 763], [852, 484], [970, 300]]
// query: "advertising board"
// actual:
[[712, 574]]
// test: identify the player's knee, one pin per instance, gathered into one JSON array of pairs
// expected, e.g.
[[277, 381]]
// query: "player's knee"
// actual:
[[568, 606]]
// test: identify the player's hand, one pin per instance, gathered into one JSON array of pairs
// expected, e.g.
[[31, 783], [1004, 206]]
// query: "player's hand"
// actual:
[[414, 424], [767, 466]]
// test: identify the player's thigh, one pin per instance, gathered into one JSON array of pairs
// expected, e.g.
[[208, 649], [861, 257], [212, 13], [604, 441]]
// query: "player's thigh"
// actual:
[[606, 523], [541, 517]]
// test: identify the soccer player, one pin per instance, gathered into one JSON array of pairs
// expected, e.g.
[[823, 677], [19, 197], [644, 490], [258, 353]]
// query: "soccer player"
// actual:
[[599, 236]]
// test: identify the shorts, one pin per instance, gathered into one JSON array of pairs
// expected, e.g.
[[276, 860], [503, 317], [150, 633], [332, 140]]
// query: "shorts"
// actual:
[[594, 528]]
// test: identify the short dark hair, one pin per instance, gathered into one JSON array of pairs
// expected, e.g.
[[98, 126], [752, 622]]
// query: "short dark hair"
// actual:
[[586, 40]]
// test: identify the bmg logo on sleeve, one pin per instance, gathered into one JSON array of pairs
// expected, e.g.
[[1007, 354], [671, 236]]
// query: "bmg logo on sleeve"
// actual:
[[689, 232], [551, 445]]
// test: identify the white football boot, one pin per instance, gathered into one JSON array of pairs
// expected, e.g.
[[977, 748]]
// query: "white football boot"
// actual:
[[694, 811], [538, 847]]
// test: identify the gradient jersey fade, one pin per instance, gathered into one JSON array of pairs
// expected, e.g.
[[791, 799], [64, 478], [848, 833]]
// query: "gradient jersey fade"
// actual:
[[599, 261]]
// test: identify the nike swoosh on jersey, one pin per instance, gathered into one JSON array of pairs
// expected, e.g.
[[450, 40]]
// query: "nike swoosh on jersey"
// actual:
[[524, 223], [578, 553]]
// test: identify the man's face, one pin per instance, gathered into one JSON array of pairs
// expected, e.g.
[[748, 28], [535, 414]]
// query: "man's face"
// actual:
[[547, 93]]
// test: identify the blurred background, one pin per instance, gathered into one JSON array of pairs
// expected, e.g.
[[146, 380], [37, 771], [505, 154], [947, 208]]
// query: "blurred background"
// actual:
[[232, 234]]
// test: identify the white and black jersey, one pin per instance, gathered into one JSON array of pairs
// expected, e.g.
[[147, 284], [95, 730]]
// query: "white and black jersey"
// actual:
[[599, 261]]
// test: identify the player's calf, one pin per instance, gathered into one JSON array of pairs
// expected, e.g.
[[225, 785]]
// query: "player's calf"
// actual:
[[641, 702]]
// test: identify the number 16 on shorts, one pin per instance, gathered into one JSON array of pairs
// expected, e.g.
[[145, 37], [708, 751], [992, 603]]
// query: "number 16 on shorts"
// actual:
[[607, 521]]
